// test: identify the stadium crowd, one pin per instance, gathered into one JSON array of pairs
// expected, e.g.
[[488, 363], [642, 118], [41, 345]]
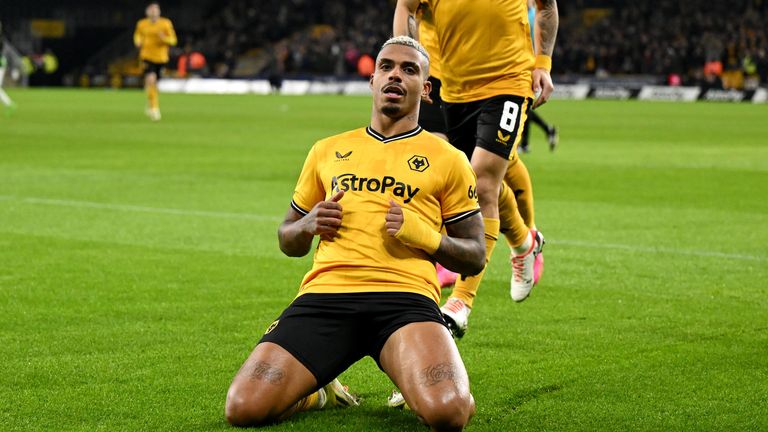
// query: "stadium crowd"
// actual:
[[713, 43], [684, 41], [301, 37], [687, 41]]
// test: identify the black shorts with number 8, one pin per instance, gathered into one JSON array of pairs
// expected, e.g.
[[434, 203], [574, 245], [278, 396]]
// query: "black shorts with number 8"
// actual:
[[494, 124]]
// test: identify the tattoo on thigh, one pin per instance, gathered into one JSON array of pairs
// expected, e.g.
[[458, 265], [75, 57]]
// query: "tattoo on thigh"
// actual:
[[264, 371], [438, 373]]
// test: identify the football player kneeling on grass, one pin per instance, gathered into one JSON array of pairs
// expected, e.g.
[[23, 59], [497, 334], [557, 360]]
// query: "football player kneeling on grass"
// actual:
[[377, 197]]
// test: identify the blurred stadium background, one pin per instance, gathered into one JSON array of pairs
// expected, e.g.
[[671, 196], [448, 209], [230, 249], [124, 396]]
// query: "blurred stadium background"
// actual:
[[616, 47]]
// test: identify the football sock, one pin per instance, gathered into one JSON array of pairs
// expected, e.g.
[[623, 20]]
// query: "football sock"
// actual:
[[466, 286], [512, 224], [519, 181], [313, 401], [152, 96], [4, 97], [525, 246]]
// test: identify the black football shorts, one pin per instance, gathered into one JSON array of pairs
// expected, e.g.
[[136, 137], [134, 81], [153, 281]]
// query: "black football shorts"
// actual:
[[150, 67], [494, 124], [327, 333]]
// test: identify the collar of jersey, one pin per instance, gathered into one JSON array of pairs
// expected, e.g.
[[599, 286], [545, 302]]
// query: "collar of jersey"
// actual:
[[382, 138]]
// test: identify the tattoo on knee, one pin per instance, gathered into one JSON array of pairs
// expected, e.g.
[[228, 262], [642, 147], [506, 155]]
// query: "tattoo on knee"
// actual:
[[264, 371], [438, 373]]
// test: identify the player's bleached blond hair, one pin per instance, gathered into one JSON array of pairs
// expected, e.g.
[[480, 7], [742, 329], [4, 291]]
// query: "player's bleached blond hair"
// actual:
[[409, 42]]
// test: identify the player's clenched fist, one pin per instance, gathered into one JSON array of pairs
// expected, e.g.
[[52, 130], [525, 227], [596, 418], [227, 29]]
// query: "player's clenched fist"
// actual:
[[407, 227], [394, 218], [325, 218]]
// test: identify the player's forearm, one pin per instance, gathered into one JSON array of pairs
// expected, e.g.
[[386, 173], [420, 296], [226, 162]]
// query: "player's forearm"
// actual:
[[545, 31], [294, 240], [137, 41], [405, 23], [170, 40], [463, 248], [461, 255]]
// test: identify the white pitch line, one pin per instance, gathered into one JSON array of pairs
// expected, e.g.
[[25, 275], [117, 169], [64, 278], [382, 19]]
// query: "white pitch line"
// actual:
[[260, 217], [660, 249], [144, 209]]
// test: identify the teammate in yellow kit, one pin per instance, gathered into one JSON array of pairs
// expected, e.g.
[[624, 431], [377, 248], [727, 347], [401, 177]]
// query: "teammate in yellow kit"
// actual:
[[431, 116], [377, 197], [490, 75], [153, 36]]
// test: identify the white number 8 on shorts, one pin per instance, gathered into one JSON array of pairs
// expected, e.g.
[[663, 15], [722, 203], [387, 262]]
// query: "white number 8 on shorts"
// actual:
[[509, 116]]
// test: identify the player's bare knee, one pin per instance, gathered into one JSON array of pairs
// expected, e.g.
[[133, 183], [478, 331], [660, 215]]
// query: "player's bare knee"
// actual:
[[245, 410], [448, 412]]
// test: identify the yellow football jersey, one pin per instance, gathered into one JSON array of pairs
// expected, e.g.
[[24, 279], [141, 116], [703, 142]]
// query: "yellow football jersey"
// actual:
[[416, 169], [485, 48], [428, 39], [154, 39]]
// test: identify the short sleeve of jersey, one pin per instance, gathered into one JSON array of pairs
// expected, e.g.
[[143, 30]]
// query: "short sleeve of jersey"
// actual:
[[459, 197], [169, 28], [309, 188]]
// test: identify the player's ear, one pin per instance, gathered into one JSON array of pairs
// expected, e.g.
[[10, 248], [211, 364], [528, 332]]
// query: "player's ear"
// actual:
[[370, 81], [427, 88]]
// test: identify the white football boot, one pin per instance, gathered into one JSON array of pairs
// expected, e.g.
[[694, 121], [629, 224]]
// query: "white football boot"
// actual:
[[523, 268], [456, 314], [339, 396]]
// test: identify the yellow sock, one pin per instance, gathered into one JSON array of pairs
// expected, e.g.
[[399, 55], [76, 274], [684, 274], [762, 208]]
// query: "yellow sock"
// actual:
[[153, 96], [519, 180], [512, 224], [466, 287], [310, 402]]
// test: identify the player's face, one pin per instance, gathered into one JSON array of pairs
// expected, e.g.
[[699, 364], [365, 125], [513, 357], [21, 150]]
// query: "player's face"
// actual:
[[399, 81], [153, 11]]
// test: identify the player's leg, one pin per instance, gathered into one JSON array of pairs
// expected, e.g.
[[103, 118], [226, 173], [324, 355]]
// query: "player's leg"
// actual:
[[550, 130], [150, 86], [462, 121], [311, 343], [489, 169], [269, 387], [5, 98], [538, 120], [519, 189], [422, 360], [518, 179], [525, 242], [3, 95], [523, 146], [498, 131]]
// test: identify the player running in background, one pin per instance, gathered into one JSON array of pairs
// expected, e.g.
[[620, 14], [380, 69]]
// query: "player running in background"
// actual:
[[9, 105], [533, 117], [377, 197], [490, 76], [153, 37], [550, 130]]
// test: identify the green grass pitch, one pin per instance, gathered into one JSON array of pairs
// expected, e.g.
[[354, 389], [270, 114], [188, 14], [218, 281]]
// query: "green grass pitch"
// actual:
[[139, 265]]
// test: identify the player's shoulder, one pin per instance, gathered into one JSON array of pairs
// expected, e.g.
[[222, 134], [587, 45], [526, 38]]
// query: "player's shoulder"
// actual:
[[341, 137], [142, 22], [165, 21]]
